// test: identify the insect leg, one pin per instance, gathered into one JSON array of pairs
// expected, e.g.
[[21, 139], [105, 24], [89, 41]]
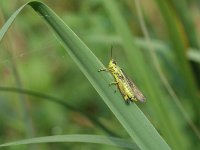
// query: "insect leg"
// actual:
[[133, 98], [113, 83], [104, 69], [128, 101]]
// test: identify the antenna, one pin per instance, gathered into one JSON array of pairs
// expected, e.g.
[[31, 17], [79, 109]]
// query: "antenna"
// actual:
[[111, 51]]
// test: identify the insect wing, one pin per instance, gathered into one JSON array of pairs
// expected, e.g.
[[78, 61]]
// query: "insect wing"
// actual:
[[137, 93]]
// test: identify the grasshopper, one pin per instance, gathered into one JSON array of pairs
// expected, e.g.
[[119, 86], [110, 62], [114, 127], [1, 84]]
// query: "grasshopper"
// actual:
[[128, 89]]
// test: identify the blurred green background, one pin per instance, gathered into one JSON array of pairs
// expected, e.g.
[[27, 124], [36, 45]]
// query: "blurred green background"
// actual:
[[31, 59]]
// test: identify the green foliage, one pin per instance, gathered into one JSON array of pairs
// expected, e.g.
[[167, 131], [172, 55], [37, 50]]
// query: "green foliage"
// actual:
[[32, 60]]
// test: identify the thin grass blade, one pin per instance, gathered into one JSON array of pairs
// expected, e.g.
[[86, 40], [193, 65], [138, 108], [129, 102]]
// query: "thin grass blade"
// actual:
[[97, 139]]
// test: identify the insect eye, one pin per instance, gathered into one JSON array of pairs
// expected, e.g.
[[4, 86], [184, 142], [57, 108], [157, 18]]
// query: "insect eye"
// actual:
[[114, 62]]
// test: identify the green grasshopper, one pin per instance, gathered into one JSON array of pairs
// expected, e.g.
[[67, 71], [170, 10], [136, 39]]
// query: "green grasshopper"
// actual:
[[128, 89]]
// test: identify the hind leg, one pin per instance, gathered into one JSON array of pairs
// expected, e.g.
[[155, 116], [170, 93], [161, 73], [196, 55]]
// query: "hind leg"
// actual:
[[127, 100], [133, 98]]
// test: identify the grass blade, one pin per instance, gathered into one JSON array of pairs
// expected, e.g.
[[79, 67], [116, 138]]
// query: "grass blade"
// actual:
[[60, 102], [97, 139], [179, 52], [186, 19], [159, 46], [194, 55]]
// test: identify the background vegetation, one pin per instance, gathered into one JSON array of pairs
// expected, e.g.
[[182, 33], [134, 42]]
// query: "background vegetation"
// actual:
[[31, 59]]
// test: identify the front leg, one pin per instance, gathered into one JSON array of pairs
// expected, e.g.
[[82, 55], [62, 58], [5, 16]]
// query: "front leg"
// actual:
[[113, 83], [104, 69]]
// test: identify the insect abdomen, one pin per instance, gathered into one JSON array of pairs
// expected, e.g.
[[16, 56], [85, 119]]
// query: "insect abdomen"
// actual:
[[129, 91], [124, 87]]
